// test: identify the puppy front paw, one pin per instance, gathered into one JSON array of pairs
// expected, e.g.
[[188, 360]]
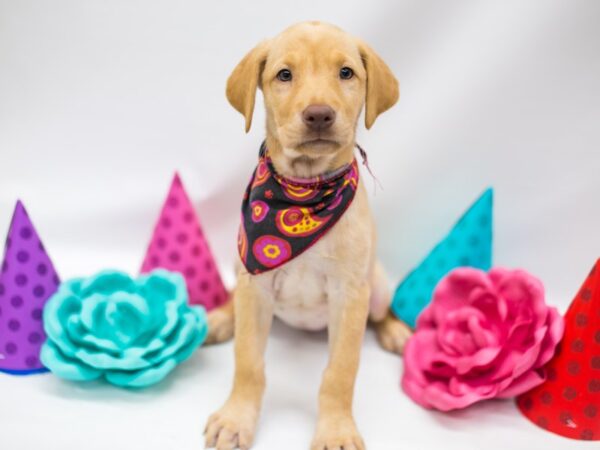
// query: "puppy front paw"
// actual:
[[231, 427], [337, 433]]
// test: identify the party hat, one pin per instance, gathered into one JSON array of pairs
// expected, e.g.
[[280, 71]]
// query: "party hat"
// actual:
[[568, 402], [27, 280], [469, 243], [178, 244]]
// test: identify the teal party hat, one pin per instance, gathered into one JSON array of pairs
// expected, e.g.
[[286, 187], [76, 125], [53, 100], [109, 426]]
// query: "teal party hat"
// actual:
[[469, 243]]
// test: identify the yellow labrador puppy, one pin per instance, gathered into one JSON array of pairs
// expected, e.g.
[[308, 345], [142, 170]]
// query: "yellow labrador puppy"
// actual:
[[315, 79]]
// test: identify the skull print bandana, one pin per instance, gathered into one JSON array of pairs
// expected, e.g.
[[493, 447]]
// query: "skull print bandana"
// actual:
[[283, 217]]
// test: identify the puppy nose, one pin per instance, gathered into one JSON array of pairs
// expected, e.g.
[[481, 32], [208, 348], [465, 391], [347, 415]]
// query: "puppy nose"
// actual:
[[318, 117]]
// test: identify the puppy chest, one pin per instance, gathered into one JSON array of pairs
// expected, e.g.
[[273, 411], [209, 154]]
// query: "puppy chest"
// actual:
[[301, 293], [303, 289]]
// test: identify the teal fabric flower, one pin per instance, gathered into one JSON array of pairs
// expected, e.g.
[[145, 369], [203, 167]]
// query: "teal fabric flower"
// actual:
[[131, 332]]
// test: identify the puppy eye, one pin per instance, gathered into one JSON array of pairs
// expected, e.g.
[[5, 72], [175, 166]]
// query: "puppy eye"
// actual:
[[346, 73], [284, 75]]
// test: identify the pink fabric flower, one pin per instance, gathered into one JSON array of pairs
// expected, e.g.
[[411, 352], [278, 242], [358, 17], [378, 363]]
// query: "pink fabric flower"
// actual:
[[484, 335]]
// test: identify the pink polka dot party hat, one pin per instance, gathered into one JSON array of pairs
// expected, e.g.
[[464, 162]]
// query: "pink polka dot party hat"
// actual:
[[27, 280], [179, 244]]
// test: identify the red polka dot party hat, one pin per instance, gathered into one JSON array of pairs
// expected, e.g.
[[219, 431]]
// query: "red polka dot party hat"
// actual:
[[27, 280], [178, 244], [568, 402]]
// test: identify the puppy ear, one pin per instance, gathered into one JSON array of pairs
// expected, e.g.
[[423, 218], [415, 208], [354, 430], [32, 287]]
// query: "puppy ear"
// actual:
[[382, 86], [245, 79]]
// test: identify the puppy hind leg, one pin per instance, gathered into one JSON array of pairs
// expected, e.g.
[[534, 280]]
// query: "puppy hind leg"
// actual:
[[391, 332], [220, 324]]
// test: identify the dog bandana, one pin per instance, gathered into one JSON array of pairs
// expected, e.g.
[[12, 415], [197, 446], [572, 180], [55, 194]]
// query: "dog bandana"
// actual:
[[283, 217]]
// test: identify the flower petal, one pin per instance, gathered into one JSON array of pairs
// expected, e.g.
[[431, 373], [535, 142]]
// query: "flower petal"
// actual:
[[107, 282], [556, 329], [166, 294], [453, 291], [57, 310], [80, 336], [141, 378], [523, 292], [65, 367], [92, 314], [453, 334], [479, 359], [187, 331], [128, 316], [524, 383], [154, 374], [105, 361]]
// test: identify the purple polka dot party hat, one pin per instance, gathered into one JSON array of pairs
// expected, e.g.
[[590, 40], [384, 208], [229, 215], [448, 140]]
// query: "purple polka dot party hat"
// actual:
[[27, 280]]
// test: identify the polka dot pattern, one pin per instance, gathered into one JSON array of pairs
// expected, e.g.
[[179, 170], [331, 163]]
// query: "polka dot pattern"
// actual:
[[568, 402], [469, 243], [27, 280], [178, 244]]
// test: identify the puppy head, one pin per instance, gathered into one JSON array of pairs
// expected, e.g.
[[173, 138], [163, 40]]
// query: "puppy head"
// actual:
[[315, 80]]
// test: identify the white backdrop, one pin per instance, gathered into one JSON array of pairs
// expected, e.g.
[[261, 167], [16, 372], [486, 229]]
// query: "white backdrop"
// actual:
[[100, 101]]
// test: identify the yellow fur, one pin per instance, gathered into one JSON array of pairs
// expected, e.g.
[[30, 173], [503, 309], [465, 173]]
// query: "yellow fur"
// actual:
[[338, 282]]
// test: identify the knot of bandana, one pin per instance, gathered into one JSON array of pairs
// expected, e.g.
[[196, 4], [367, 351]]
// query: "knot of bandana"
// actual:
[[283, 217]]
